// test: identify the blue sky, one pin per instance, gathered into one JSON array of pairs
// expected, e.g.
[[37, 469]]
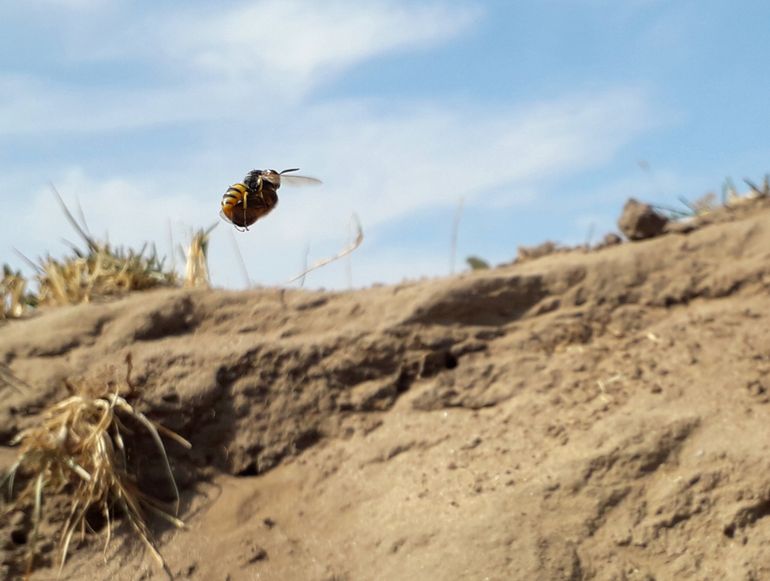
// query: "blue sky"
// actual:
[[535, 113]]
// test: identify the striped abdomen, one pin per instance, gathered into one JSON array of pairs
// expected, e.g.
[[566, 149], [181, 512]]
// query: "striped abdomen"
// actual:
[[243, 206]]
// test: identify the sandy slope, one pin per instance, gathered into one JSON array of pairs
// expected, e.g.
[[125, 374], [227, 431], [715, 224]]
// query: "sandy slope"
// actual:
[[581, 416]]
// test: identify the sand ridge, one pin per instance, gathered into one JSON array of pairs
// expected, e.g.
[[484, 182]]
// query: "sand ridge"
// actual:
[[585, 415]]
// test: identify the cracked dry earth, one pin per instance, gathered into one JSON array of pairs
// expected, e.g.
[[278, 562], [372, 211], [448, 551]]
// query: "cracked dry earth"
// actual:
[[597, 415]]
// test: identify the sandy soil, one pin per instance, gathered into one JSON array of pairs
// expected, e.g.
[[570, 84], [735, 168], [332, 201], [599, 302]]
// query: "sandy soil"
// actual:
[[586, 415]]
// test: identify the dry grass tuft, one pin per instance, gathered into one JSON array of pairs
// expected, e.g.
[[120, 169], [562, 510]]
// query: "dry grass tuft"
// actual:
[[100, 272], [476, 263], [78, 450], [196, 267], [706, 204], [14, 298]]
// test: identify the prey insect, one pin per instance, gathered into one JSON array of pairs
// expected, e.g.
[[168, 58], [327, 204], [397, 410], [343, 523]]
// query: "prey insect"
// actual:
[[255, 197]]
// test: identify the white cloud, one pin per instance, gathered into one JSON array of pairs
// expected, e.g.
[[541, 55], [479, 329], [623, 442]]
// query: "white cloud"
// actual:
[[385, 167], [30, 106], [129, 212], [278, 49], [389, 166], [252, 60], [236, 78], [299, 43], [72, 4]]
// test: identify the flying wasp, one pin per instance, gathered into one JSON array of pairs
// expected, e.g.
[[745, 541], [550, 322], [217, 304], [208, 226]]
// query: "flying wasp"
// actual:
[[246, 202]]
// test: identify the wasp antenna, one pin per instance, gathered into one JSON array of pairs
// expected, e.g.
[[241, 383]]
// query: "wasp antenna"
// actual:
[[289, 170]]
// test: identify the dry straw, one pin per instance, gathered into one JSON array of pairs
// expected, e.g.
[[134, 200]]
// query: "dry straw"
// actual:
[[79, 450], [98, 271], [355, 243], [196, 265], [14, 298]]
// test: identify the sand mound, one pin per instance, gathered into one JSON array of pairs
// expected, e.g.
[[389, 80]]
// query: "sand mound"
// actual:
[[597, 415]]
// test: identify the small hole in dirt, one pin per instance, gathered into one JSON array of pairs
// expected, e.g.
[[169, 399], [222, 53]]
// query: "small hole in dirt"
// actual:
[[95, 518], [19, 537], [730, 530], [307, 439], [172, 397], [450, 361], [250, 470], [404, 381]]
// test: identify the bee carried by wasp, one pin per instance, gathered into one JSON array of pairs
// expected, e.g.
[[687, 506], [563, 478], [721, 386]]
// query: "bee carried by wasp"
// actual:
[[255, 197]]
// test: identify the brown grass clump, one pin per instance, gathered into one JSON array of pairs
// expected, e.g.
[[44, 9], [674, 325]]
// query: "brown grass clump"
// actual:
[[476, 263], [14, 298], [100, 272], [79, 450]]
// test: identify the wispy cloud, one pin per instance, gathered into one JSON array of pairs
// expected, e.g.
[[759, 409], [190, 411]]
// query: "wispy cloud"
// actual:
[[278, 48], [241, 79], [32, 106], [245, 60], [70, 4], [386, 167], [300, 43]]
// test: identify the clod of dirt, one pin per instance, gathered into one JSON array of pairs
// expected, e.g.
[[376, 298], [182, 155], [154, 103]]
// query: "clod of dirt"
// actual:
[[610, 239], [538, 251], [640, 221]]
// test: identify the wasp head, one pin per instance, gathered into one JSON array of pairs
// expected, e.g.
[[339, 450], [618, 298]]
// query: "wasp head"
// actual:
[[255, 176], [272, 176]]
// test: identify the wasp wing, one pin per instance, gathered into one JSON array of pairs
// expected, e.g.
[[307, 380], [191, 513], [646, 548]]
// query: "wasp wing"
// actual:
[[299, 180]]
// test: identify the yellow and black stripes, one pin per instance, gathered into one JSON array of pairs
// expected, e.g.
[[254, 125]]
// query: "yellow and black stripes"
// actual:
[[236, 195]]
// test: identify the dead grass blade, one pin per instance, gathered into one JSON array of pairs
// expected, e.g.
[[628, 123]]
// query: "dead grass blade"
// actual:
[[196, 264], [9, 379], [71, 219], [762, 192], [359, 238]]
